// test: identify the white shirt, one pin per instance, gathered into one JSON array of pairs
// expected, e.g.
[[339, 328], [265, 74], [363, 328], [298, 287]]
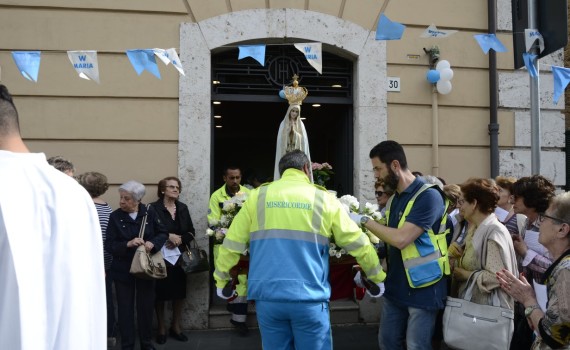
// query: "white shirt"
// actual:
[[52, 288]]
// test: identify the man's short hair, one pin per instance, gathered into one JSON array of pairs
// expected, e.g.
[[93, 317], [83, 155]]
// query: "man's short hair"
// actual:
[[230, 167], [295, 159], [388, 151], [8, 114]]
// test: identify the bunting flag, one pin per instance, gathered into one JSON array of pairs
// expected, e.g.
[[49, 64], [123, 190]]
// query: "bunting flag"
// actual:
[[530, 36], [257, 52], [433, 32], [143, 59], [85, 63], [170, 56], [561, 80], [489, 41], [529, 60], [388, 30], [313, 54], [28, 62]]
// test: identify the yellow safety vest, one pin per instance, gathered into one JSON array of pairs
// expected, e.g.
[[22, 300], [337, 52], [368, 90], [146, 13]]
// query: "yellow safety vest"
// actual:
[[425, 261]]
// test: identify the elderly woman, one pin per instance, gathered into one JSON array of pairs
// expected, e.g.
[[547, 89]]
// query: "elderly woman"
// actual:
[[96, 185], [122, 242], [176, 217], [553, 326], [488, 245]]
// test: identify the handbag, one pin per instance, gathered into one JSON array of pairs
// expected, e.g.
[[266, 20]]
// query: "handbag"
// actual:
[[194, 259], [467, 325], [147, 266]]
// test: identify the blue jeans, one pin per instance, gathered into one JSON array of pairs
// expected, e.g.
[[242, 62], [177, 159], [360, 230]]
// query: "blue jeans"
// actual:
[[294, 325], [399, 323]]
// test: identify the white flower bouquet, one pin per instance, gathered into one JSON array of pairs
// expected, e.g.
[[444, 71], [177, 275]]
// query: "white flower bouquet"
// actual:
[[230, 208]]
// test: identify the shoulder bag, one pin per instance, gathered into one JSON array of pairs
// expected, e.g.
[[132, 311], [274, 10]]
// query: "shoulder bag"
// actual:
[[145, 265], [194, 259]]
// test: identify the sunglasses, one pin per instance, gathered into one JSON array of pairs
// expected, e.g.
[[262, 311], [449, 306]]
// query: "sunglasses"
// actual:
[[379, 193]]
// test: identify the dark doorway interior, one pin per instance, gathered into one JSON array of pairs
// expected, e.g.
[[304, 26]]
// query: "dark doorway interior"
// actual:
[[248, 134]]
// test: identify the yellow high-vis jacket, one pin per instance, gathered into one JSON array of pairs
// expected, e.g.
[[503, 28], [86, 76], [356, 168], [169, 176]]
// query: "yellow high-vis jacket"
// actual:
[[287, 225]]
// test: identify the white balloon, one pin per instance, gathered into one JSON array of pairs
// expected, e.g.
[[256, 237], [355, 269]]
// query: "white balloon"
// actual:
[[443, 87], [446, 74], [442, 65]]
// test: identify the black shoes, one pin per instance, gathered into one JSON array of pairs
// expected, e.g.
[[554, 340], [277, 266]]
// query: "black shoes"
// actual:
[[161, 339], [178, 336], [241, 327]]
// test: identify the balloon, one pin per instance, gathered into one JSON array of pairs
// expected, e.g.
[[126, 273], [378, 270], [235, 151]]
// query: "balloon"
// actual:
[[282, 94], [444, 87], [442, 65], [446, 74], [432, 76]]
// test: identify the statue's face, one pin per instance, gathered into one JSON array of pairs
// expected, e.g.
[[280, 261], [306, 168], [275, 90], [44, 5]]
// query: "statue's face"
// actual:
[[294, 113]]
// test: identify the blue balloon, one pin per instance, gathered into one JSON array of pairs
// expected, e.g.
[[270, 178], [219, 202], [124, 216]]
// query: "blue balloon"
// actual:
[[432, 76], [282, 93]]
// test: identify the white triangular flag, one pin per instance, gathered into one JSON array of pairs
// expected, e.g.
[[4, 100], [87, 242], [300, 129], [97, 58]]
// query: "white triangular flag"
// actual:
[[530, 36], [170, 56], [313, 54], [433, 32], [85, 63]]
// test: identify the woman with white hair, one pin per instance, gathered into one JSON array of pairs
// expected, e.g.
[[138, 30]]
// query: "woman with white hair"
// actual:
[[122, 242]]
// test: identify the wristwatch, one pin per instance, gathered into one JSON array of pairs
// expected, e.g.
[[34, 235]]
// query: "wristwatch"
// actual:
[[363, 220], [528, 311]]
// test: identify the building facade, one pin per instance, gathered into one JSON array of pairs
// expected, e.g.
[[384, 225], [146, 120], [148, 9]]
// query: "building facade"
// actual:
[[138, 127]]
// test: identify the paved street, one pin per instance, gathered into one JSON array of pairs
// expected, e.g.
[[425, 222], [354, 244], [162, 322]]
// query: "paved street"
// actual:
[[361, 337]]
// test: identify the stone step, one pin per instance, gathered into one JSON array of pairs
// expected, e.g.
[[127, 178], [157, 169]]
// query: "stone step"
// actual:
[[342, 312]]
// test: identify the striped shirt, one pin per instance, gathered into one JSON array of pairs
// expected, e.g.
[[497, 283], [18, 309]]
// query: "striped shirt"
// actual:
[[104, 210]]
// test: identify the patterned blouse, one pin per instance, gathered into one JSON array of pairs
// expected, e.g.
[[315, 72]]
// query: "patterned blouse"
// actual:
[[554, 327]]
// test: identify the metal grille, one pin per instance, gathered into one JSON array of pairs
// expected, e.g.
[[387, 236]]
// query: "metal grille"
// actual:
[[247, 77]]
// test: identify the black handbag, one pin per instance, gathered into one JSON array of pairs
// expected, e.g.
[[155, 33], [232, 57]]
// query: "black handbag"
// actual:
[[194, 259]]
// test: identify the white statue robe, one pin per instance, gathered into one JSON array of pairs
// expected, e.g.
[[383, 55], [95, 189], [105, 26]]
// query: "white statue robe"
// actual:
[[52, 287], [281, 149]]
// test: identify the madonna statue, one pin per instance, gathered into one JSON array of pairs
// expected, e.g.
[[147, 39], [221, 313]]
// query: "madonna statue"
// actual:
[[292, 134]]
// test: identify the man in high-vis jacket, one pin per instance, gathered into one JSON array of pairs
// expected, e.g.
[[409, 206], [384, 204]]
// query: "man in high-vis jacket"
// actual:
[[417, 251], [288, 225], [231, 187]]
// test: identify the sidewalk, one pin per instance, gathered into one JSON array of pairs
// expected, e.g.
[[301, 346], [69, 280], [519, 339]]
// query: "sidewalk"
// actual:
[[361, 337]]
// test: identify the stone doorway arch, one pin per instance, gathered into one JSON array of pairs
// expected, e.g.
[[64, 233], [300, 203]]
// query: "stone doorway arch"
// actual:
[[197, 40]]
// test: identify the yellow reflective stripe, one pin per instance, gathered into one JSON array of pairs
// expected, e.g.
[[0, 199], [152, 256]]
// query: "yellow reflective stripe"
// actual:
[[362, 241], [289, 234], [411, 203], [374, 270], [224, 276], [233, 245], [318, 210], [422, 260], [261, 207]]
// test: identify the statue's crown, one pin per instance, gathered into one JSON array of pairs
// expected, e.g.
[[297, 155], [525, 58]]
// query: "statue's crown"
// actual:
[[295, 94]]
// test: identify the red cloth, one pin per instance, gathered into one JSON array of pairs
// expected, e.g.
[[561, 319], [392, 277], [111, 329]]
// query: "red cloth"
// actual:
[[342, 283]]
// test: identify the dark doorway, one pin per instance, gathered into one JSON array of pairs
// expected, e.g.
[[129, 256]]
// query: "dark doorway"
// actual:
[[248, 136]]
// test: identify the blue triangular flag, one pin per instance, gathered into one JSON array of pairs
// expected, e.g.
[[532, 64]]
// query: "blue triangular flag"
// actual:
[[561, 80], [257, 52], [388, 30], [143, 59], [528, 59], [490, 41], [28, 63]]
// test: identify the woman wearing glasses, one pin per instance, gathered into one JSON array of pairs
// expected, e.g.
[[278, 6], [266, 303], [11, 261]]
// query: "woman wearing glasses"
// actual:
[[551, 326], [176, 217], [488, 245], [382, 195]]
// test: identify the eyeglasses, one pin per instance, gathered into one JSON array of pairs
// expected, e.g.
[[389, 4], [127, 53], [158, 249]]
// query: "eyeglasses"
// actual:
[[542, 216], [172, 187], [379, 193]]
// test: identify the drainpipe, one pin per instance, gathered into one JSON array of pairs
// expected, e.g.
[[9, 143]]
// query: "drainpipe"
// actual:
[[493, 119], [434, 133]]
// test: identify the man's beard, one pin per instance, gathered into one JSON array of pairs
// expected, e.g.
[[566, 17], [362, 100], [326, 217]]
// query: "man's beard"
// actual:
[[391, 181]]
